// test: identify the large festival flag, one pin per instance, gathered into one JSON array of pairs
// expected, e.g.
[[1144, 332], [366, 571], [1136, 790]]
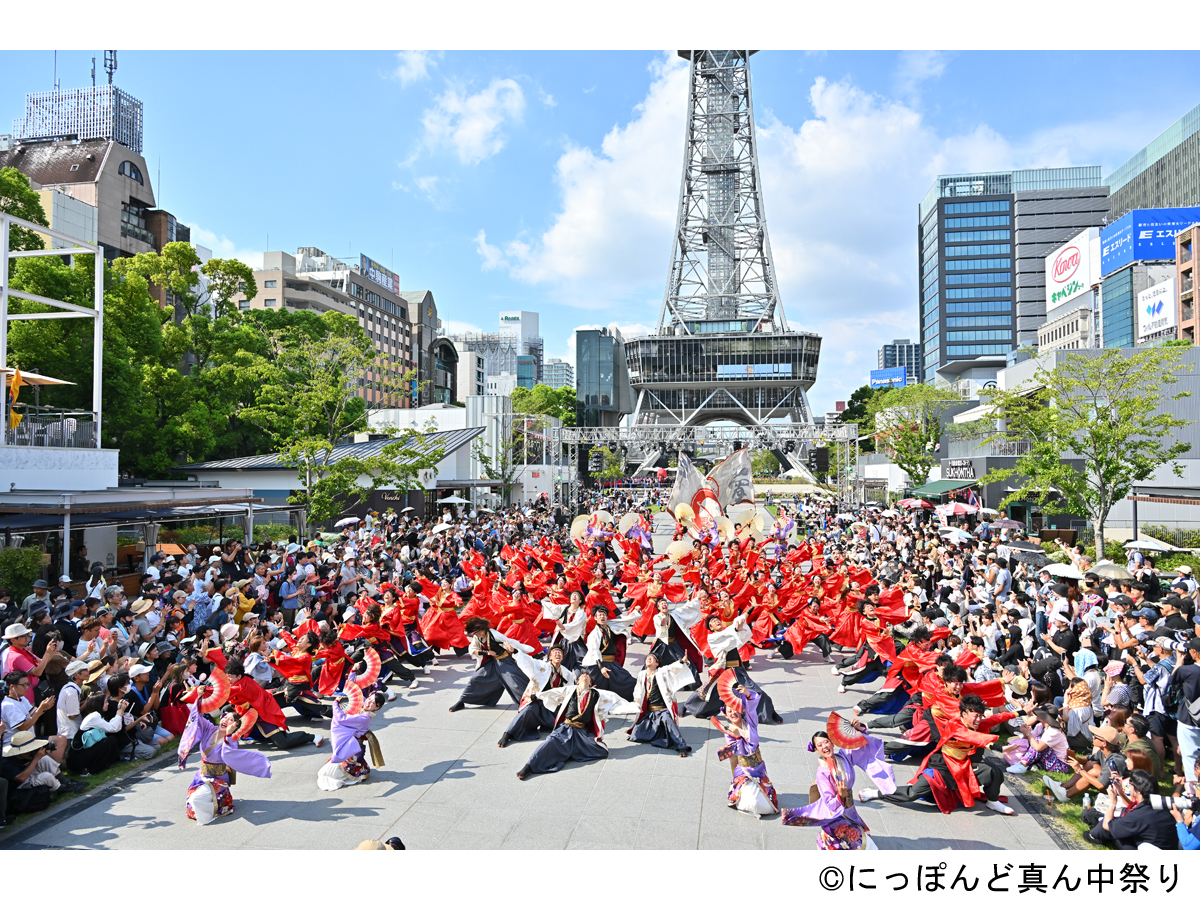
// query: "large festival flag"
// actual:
[[731, 480], [688, 484]]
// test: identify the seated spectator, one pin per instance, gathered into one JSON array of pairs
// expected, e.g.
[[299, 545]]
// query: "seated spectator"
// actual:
[[100, 741], [1187, 823], [69, 699], [1141, 823], [1137, 730], [1097, 771], [143, 706], [19, 714], [1042, 744], [28, 766]]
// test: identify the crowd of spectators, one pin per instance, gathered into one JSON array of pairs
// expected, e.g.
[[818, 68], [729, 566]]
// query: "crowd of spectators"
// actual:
[[94, 676]]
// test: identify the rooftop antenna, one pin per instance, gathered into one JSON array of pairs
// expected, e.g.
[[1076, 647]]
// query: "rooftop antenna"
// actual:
[[110, 63], [93, 71]]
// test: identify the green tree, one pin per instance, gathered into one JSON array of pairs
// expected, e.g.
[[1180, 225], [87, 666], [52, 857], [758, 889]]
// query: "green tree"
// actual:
[[764, 463], [17, 198], [308, 403], [546, 401], [500, 465], [614, 465], [1095, 426], [907, 423]]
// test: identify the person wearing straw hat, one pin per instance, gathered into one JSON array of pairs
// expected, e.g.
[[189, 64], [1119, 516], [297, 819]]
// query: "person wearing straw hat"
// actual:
[[29, 764]]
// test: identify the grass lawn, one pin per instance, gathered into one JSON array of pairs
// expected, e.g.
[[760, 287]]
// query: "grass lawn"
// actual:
[[94, 782], [1070, 814]]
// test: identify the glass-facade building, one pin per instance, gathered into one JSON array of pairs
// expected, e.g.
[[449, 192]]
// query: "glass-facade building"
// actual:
[[602, 393], [1163, 174], [902, 352], [760, 372], [982, 241], [558, 373], [527, 372]]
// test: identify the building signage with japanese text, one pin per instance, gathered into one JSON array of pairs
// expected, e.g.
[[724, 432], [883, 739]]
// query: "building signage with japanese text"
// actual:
[[378, 274]]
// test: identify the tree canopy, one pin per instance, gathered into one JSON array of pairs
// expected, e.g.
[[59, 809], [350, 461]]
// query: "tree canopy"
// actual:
[[1094, 424], [546, 401]]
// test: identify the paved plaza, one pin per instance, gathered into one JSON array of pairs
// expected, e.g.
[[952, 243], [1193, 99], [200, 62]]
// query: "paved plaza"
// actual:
[[446, 785]]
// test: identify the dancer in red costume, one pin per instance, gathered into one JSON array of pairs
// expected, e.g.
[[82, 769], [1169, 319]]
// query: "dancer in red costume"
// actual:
[[957, 773]]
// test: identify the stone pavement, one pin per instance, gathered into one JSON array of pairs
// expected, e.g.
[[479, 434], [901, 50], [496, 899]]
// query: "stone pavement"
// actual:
[[446, 785]]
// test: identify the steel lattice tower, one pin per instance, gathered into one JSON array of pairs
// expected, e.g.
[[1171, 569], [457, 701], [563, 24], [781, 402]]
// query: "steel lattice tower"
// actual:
[[721, 267], [723, 348]]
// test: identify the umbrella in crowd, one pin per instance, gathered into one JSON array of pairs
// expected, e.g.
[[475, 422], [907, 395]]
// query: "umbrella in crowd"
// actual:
[[407, 509], [1062, 570], [956, 534], [956, 509], [349, 520], [445, 526], [454, 500], [1106, 569], [1008, 523], [1024, 545], [915, 503], [987, 511], [1147, 544]]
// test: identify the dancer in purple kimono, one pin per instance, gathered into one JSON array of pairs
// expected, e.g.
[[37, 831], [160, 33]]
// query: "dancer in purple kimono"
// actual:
[[221, 759], [842, 828], [751, 790], [351, 736]]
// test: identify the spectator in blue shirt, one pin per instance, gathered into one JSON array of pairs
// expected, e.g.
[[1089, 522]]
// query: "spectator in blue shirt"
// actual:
[[288, 601]]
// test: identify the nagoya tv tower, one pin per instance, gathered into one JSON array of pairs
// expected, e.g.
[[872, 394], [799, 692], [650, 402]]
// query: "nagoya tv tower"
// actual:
[[723, 350]]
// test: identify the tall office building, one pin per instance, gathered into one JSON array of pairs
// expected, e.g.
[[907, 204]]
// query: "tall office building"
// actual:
[[982, 244], [902, 352], [558, 373], [603, 396], [507, 351], [1163, 174]]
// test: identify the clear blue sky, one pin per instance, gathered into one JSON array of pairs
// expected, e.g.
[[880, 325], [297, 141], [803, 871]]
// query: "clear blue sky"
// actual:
[[547, 181]]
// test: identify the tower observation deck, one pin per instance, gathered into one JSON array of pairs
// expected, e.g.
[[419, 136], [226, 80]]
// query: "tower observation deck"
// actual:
[[722, 350]]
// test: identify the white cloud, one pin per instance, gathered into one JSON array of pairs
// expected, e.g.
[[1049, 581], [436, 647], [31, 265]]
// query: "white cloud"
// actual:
[[840, 189], [413, 65], [223, 248], [473, 124], [916, 66], [611, 238], [493, 257]]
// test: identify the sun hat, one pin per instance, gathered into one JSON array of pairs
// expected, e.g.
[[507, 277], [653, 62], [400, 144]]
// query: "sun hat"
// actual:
[[96, 669], [140, 669], [41, 583], [140, 606], [1116, 667], [15, 630], [228, 631], [74, 668], [1106, 733], [24, 742]]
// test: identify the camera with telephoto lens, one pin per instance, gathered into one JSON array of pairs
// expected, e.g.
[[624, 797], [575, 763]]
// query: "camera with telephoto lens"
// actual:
[[1158, 801]]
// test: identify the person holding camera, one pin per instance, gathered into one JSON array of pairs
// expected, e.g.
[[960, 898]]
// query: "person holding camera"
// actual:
[[1187, 715], [1141, 823]]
